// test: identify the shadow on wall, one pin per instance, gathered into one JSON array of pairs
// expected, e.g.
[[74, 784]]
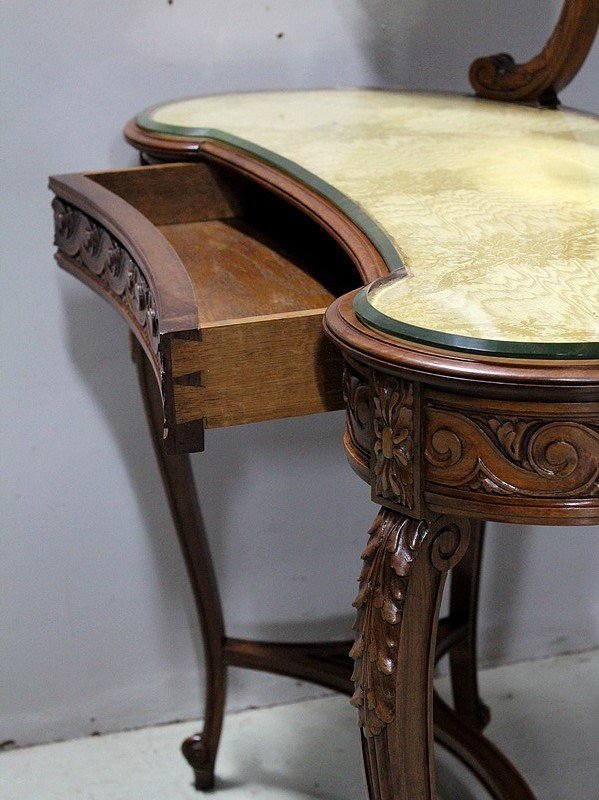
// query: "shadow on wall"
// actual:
[[254, 518], [225, 481], [97, 341], [429, 45]]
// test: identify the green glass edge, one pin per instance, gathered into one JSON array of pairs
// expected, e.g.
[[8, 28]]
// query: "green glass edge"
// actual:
[[365, 311], [350, 209], [468, 344]]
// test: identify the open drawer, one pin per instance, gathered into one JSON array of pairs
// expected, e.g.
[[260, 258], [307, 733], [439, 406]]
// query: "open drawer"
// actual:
[[224, 281]]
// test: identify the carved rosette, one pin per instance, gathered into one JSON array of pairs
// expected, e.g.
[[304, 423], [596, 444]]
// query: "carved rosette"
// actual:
[[512, 456], [393, 448], [356, 395], [92, 247], [394, 543]]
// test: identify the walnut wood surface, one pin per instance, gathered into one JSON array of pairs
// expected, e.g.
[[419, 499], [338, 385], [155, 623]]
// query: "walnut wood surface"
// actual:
[[466, 449], [500, 78], [401, 584], [546, 455], [453, 371], [433, 433], [275, 366]]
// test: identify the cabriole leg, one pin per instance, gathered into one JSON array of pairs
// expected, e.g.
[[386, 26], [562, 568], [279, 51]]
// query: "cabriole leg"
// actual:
[[200, 749], [405, 562], [464, 611]]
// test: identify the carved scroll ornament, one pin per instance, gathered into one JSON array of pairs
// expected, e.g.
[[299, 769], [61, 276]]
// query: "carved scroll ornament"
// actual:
[[394, 543], [84, 241], [511, 456]]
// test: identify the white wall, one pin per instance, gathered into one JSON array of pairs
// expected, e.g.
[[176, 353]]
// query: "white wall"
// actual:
[[98, 630]]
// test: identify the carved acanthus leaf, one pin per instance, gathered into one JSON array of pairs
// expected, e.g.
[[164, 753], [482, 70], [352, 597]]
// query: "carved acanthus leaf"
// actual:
[[395, 542], [392, 546]]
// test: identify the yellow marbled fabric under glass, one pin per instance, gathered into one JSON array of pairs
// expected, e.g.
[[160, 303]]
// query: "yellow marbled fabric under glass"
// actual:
[[493, 208]]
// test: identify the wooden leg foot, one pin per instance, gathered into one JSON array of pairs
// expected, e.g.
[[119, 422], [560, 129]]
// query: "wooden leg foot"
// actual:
[[201, 759]]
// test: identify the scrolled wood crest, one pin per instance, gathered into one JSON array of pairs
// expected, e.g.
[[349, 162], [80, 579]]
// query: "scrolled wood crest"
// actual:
[[499, 77], [83, 240], [393, 447], [393, 545]]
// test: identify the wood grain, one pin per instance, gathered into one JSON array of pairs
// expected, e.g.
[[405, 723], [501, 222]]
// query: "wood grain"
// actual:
[[237, 271], [249, 370], [238, 274], [174, 193]]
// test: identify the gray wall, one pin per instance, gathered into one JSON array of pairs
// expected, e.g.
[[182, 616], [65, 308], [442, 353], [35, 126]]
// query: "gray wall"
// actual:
[[98, 630]]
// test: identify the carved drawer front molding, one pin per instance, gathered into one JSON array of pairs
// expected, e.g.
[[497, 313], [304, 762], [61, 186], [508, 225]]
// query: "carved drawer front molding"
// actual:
[[548, 451], [104, 261]]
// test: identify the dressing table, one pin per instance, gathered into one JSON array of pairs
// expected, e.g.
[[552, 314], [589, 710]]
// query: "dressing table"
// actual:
[[467, 220]]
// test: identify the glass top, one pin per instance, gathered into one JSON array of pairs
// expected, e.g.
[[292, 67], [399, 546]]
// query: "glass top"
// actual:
[[489, 211]]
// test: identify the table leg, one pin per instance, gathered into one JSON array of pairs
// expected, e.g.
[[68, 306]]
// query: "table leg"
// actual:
[[464, 611], [401, 583], [200, 749]]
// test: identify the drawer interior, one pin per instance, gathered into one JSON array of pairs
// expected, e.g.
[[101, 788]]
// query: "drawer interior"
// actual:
[[248, 252], [263, 272]]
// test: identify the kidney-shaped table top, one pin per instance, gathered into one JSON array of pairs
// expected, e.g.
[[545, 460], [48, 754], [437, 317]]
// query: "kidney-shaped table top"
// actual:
[[486, 212]]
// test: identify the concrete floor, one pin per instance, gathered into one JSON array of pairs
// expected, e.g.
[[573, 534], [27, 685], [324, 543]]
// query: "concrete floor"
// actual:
[[544, 717]]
